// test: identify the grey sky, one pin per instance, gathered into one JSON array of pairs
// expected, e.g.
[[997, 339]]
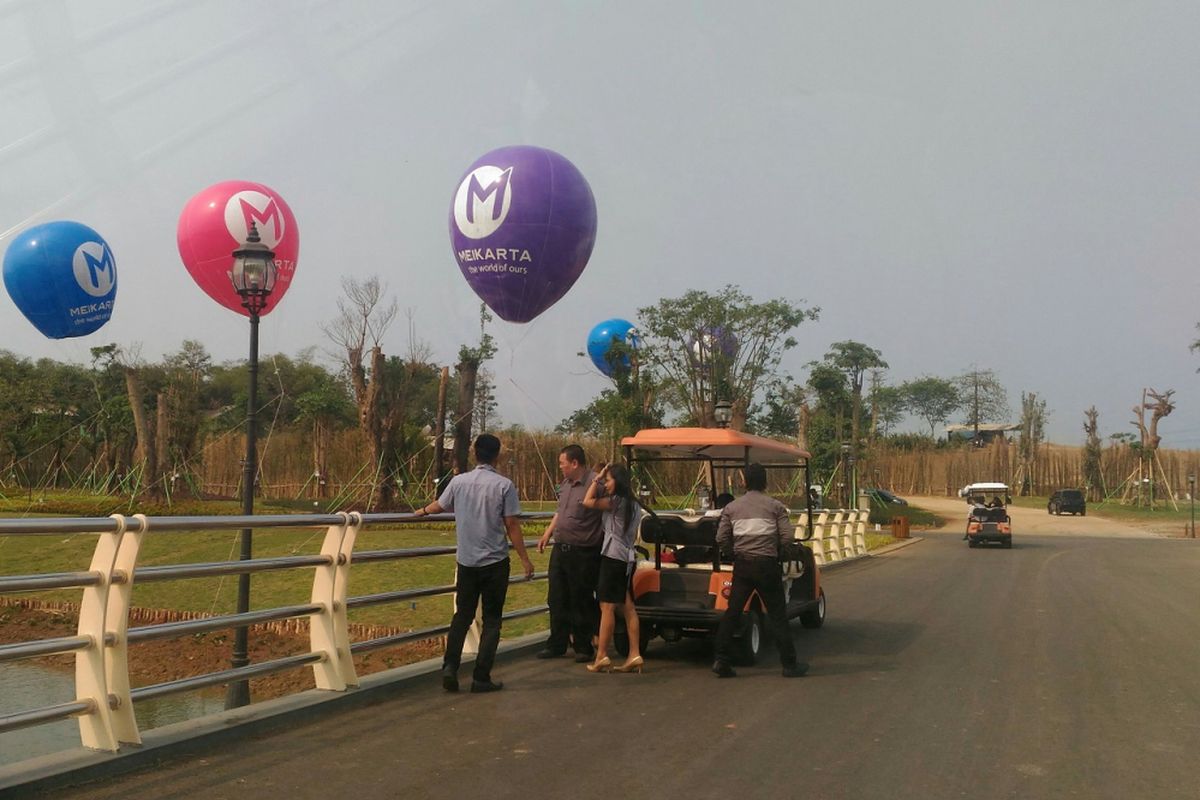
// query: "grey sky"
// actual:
[[1014, 185]]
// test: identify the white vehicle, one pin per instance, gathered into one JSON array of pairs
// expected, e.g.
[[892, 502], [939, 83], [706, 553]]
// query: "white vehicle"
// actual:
[[988, 520]]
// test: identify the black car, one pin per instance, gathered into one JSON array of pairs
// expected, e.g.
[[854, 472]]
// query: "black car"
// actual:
[[882, 497], [1067, 501]]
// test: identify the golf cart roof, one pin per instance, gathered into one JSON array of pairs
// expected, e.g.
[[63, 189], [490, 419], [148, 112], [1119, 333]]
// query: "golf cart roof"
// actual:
[[982, 488], [718, 444]]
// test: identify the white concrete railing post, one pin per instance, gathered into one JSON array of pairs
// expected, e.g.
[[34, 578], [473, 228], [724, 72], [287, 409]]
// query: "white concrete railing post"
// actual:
[[116, 655], [328, 630], [91, 682]]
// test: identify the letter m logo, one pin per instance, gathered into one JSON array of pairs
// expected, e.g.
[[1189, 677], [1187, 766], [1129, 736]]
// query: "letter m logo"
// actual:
[[482, 201], [260, 209], [491, 199], [94, 269]]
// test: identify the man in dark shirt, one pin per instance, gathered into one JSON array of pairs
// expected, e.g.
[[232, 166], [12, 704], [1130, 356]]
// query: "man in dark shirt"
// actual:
[[574, 562], [755, 527]]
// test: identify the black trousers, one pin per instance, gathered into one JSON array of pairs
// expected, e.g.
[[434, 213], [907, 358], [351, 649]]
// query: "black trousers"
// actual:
[[489, 584], [766, 576], [571, 596]]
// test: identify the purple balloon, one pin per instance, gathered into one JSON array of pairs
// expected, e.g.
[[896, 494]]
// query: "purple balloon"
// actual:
[[714, 342], [522, 225]]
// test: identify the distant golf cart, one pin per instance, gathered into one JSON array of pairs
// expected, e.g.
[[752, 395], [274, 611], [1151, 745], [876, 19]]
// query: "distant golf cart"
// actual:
[[682, 589], [988, 521]]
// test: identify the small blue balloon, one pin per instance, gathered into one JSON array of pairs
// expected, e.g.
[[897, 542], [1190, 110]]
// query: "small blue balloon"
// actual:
[[602, 338], [63, 277]]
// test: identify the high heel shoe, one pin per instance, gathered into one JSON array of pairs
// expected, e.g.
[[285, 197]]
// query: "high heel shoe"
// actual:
[[603, 665], [632, 665]]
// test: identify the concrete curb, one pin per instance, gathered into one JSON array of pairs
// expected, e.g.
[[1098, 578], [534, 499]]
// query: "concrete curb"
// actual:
[[882, 551], [73, 767]]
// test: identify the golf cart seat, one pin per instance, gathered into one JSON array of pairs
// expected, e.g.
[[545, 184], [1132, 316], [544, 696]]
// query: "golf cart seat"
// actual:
[[694, 539], [983, 514]]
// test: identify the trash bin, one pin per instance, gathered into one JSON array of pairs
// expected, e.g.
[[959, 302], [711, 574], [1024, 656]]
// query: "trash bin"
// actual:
[[900, 527]]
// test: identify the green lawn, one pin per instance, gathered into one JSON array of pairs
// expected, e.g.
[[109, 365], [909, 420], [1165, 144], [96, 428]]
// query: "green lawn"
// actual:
[[1162, 515]]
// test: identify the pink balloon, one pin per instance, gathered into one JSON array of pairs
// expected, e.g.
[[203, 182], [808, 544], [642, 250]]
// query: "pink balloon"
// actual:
[[216, 222]]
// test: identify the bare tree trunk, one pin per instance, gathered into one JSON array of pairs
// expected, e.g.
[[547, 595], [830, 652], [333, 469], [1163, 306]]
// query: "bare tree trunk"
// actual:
[[145, 449], [162, 438], [467, 371]]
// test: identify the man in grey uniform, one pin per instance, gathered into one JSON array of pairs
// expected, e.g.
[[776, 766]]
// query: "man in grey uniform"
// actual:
[[486, 510], [756, 527]]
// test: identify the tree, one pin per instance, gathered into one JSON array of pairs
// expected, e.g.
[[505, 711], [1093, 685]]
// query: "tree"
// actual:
[[723, 346], [1150, 440], [853, 359], [982, 398], [1033, 432], [469, 361], [931, 399], [1093, 475], [887, 408], [363, 318]]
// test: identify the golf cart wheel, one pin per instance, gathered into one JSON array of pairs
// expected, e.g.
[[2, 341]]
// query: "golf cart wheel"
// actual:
[[1008, 544], [1081, 513], [750, 643], [815, 617], [644, 637], [972, 543]]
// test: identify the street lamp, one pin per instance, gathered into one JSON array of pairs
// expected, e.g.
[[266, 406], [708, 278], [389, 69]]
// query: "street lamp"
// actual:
[[253, 277], [847, 460], [723, 413], [1192, 500]]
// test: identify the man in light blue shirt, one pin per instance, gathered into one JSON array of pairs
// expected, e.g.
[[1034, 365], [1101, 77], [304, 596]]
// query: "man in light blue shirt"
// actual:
[[486, 511]]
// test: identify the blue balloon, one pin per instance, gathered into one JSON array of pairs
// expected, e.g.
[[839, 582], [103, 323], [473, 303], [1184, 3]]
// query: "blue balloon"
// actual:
[[602, 338], [63, 277]]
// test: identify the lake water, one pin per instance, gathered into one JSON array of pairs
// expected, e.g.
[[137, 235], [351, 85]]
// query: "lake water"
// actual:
[[25, 685]]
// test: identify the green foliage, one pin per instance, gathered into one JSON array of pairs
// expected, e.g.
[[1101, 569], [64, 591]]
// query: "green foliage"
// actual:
[[911, 442], [982, 397], [931, 399], [693, 375], [887, 405]]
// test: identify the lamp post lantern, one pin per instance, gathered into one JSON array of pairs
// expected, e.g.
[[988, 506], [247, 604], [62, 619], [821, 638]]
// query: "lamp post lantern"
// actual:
[[723, 413], [253, 277]]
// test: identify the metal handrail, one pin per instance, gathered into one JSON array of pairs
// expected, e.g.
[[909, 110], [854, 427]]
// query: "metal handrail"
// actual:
[[57, 580], [43, 647], [174, 630], [104, 700], [174, 571]]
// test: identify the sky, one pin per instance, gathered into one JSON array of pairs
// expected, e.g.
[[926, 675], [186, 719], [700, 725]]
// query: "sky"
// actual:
[[1011, 186]]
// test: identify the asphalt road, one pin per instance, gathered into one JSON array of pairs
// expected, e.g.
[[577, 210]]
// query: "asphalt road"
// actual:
[[1064, 667]]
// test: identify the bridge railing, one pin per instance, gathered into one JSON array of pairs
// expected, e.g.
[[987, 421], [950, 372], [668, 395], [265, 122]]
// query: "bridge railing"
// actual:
[[103, 703]]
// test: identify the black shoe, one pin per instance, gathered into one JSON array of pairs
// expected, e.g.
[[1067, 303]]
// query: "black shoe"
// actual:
[[548, 653], [585, 658], [479, 687], [449, 681], [723, 670], [795, 670]]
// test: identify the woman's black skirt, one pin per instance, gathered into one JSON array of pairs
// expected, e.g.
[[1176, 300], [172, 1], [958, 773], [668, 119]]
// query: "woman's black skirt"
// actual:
[[614, 580]]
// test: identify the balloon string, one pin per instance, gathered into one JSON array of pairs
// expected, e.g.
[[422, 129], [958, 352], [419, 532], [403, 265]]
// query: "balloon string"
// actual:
[[549, 473]]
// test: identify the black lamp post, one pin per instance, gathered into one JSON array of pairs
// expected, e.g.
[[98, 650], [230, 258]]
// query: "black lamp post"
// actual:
[[847, 460], [253, 277], [1192, 501]]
